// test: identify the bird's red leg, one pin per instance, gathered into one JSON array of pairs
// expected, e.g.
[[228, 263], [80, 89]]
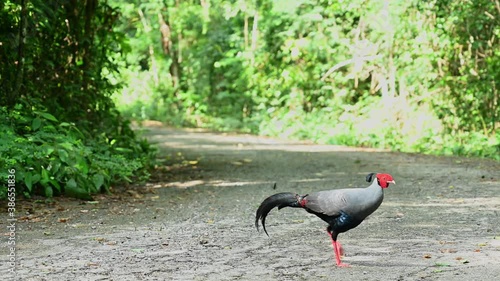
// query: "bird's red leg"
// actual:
[[338, 250], [341, 249]]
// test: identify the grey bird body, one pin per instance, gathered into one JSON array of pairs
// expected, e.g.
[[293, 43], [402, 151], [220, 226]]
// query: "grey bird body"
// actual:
[[357, 202]]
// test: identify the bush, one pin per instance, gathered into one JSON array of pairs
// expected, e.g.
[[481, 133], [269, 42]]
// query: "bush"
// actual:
[[60, 128], [53, 158]]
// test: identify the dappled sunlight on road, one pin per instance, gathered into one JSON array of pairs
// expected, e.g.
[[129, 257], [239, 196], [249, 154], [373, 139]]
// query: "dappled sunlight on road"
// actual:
[[218, 141], [453, 204], [220, 183]]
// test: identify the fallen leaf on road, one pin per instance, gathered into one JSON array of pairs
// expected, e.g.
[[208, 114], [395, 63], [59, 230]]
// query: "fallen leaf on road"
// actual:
[[134, 194], [92, 202], [447, 242], [448, 251], [427, 256], [30, 218]]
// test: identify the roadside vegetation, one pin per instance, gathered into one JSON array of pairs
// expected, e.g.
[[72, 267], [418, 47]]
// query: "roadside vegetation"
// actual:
[[60, 129], [406, 75]]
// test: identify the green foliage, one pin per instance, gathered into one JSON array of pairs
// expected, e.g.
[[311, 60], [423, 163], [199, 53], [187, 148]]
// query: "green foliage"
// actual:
[[471, 73], [406, 75], [51, 158], [60, 129]]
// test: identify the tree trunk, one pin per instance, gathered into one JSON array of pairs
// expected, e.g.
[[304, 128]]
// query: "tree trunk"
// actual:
[[168, 49], [245, 31], [15, 94], [255, 35]]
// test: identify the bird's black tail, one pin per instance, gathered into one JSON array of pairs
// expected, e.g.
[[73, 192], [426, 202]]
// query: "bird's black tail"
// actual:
[[280, 200]]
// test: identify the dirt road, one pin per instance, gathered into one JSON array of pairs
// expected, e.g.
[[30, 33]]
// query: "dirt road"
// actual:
[[196, 222]]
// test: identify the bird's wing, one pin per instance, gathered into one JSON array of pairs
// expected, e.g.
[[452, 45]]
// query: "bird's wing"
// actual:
[[358, 202], [329, 202]]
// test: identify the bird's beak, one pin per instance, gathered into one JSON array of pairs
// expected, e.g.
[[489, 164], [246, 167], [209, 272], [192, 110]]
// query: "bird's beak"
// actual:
[[393, 182]]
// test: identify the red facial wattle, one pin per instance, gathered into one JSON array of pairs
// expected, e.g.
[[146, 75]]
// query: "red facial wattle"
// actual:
[[384, 180]]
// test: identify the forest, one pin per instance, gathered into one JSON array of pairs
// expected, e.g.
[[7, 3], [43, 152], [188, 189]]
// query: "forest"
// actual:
[[410, 76]]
